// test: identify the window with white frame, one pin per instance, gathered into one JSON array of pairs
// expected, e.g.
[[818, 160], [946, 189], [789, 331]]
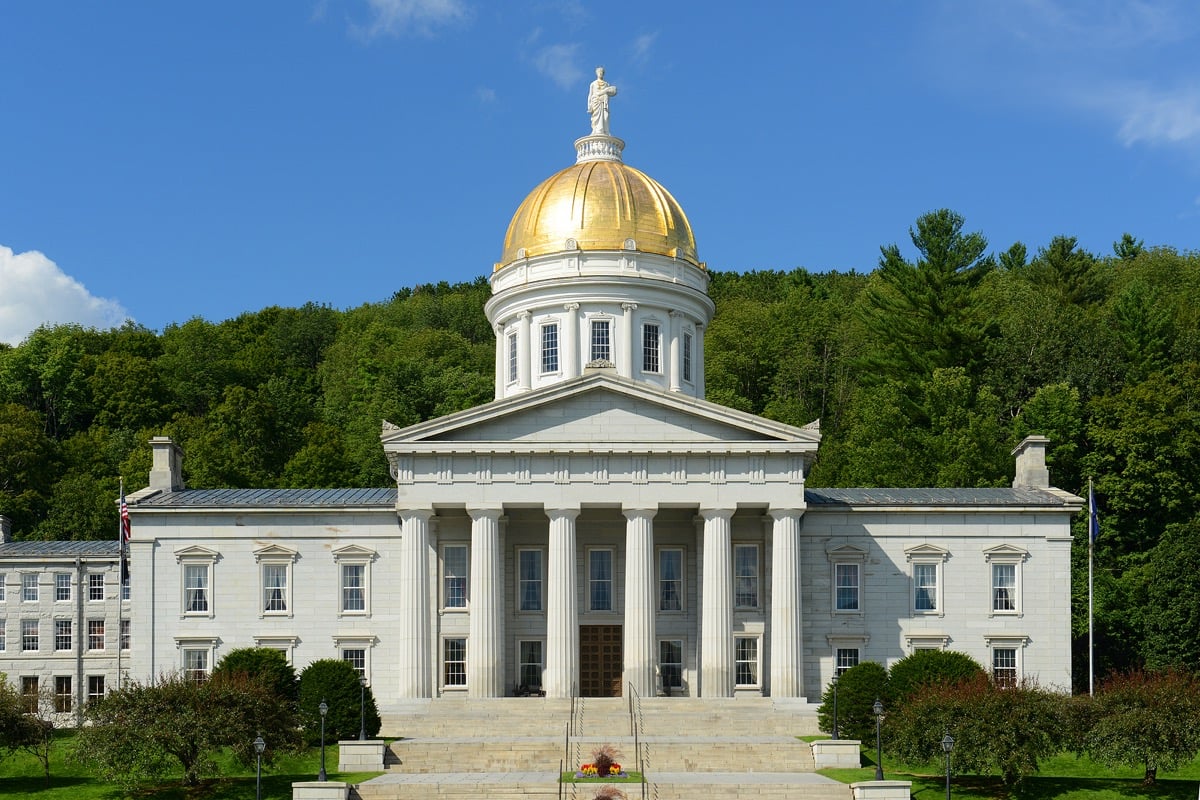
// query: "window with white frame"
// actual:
[[600, 580], [514, 361], [651, 347], [550, 347], [95, 640], [195, 663], [64, 638], [529, 580], [125, 588], [30, 694], [357, 658], [601, 349], [354, 579], [62, 693], [356, 651], [3, 590], [454, 661], [95, 687], [126, 627], [284, 644], [687, 356], [95, 587], [847, 586], [30, 640], [670, 664], [745, 660], [62, 587], [454, 576], [3, 635], [844, 658], [533, 661], [1004, 587], [195, 589], [1004, 666], [670, 579], [29, 587], [745, 576], [925, 587], [275, 588]]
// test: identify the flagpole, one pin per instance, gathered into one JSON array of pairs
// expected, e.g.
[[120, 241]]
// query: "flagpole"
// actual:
[[121, 513], [1091, 534]]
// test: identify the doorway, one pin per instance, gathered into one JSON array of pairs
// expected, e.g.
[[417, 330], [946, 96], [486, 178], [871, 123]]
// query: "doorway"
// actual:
[[601, 662]]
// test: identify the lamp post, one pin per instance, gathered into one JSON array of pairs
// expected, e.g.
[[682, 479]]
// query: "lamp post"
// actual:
[[947, 746], [835, 716], [878, 709], [362, 708], [324, 709], [259, 747]]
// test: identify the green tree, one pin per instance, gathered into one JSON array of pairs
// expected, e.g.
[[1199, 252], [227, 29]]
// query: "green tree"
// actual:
[[336, 683], [29, 465], [857, 690], [23, 729], [263, 665], [923, 668], [1171, 614]]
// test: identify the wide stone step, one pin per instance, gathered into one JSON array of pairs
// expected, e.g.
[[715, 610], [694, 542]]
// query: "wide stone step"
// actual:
[[712, 786]]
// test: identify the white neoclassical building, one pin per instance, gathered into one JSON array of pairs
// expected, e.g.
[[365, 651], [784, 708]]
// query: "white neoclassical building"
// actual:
[[599, 527]]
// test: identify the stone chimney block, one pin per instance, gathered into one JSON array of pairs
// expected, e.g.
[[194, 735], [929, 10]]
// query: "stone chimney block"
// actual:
[[1031, 470], [166, 474]]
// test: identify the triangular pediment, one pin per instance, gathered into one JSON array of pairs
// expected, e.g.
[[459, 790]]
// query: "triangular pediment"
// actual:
[[927, 551], [275, 551], [197, 552], [353, 552], [602, 410]]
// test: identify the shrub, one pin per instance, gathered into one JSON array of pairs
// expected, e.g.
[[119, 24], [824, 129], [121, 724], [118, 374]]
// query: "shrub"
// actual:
[[335, 682], [263, 665], [929, 667], [858, 689]]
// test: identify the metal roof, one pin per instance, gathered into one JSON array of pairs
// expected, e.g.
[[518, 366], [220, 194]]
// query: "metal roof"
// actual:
[[27, 549], [272, 498], [932, 497]]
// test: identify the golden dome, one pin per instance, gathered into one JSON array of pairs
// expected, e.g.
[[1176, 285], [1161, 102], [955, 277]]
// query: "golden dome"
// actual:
[[600, 204]]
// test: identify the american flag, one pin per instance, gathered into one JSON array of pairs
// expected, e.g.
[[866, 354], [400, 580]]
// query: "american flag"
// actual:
[[125, 527]]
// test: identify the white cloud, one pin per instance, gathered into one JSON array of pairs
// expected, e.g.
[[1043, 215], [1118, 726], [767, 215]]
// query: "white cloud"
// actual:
[[641, 48], [1156, 116], [558, 63], [34, 291], [395, 17], [485, 95]]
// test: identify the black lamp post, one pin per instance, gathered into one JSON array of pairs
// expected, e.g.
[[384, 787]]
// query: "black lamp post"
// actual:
[[835, 716], [259, 747], [878, 709], [362, 708], [324, 709], [947, 746]]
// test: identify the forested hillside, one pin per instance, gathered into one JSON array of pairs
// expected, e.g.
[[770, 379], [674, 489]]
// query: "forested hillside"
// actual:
[[925, 372]]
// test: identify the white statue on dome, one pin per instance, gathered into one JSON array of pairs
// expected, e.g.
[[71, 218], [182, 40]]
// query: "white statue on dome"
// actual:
[[598, 94]]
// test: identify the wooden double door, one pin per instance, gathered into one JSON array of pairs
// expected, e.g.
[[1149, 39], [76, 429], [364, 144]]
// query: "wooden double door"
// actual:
[[601, 660]]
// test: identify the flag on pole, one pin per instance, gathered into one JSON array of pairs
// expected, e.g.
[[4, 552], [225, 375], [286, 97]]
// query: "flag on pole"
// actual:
[[125, 531], [1093, 516]]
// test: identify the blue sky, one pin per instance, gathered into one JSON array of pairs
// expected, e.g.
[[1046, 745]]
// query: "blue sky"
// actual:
[[161, 161]]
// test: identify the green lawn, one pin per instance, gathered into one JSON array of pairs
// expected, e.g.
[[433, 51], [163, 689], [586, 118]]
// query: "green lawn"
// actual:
[[21, 776]]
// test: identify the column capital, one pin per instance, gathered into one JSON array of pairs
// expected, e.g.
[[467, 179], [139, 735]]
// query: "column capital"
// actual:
[[629, 306], [570, 306], [784, 513], [425, 514], [486, 512], [631, 511], [716, 513], [562, 513]]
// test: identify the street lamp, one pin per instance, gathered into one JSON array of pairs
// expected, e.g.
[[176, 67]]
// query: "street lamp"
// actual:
[[324, 709], [878, 709], [835, 716], [259, 747], [362, 708], [947, 746]]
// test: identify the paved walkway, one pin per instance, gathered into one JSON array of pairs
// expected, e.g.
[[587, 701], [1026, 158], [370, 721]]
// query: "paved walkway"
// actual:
[[702, 778]]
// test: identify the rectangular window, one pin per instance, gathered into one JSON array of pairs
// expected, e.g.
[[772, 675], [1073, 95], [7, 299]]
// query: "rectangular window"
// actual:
[[1004, 586], [354, 595], [745, 657], [126, 626], [925, 585], [125, 588], [530, 589], [62, 693], [3, 591], [687, 356], [357, 658], [63, 638], [454, 566], [600, 578], [29, 636], [847, 657], [550, 348], [670, 664], [95, 684], [745, 575], [195, 664], [275, 588], [95, 634], [455, 661], [29, 694], [96, 587], [651, 348], [847, 586], [532, 664], [3, 635], [601, 340], [29, 588], [670, 580], [62, 587], [1004, 666], [195, 593], [513, 360]]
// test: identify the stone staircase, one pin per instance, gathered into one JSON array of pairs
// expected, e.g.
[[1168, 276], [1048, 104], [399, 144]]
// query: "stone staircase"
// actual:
[[725, 749]]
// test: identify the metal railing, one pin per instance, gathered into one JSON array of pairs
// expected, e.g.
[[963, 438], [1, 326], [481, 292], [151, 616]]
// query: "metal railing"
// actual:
[[636, 723]]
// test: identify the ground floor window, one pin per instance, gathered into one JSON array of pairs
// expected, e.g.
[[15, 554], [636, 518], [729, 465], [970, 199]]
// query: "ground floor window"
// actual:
[[847, 657], [29, 693], [357, 658], [95, 686], [670, 664], [195, 664], [62, 693], [1004, 666], [532, 663], [745, 650], [454, 660]]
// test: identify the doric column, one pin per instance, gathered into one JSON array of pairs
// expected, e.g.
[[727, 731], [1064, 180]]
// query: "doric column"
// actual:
[[627, 348], [501, 360], [698, 365], [640, 602], [787, 643], [562, 605], [570, 350], [524, 352], [716, 632], [485, 648], [413, 619], [673, 367]]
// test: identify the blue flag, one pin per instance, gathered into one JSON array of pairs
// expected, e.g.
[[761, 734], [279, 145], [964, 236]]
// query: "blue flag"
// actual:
[[1093, 515]]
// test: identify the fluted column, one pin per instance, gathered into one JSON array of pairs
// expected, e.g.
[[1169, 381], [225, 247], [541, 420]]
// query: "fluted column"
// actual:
[[640, 603], [524, 352], [698, 364], [562, 605], [570, 348], [716, 632], [501, 360], [485, 648], [627, 349], [673, 367], [787, 643], [413, 619]]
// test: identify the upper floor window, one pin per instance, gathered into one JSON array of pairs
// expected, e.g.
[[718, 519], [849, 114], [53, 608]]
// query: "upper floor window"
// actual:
[[670, 579], [275, 588], [354, 579], [62, 587], [95, 638], [846, 587], [3, 577], [925, 587], [600, 573], [29, 587], [550, 347], [96, 586], [651, 347], [1004, 587], [195, 588], [529, 580], [601, 340], [30, 642], [63, 638], [354, 587], [687, 356], [514, 361], [125, 587], [126, 627], [3, 635], [745, 576], [454, 567]]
